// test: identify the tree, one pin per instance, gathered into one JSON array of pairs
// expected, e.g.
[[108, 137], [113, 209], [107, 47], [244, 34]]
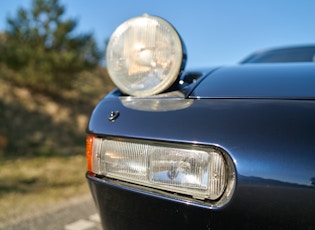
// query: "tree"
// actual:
[[42, 48]]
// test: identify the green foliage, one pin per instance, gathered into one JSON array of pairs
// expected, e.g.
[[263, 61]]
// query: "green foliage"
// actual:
[[43, 50]]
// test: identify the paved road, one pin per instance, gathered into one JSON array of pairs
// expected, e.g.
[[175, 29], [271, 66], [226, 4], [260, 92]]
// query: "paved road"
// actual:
[[78, 215]]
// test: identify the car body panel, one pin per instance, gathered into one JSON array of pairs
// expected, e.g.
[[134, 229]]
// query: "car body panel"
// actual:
[[124, 208], [269, 135], [293, 81], [240, 126], [273, 155]]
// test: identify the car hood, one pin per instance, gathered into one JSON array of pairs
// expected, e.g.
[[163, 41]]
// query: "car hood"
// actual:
[[276, 81]]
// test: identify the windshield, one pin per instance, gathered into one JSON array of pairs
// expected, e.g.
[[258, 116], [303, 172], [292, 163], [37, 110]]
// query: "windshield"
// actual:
[[292, 54]]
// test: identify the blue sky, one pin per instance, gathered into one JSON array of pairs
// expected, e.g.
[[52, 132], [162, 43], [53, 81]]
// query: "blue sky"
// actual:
[[215, 32]]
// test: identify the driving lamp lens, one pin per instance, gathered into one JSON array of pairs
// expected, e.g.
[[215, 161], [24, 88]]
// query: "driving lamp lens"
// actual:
[[144, 56], [200, 172]]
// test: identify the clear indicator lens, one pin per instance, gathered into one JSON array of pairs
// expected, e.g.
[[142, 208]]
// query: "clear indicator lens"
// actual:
[[124, 160]]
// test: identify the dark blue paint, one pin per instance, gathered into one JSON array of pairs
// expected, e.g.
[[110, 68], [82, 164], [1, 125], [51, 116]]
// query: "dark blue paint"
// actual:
[[288, 81], [269, 136]]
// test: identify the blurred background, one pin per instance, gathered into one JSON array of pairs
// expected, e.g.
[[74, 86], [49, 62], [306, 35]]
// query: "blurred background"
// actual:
[[215, 32], [53, 72]]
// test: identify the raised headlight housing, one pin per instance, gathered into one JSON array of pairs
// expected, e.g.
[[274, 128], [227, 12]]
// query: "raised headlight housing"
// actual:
[[145, 56], [204, 173]]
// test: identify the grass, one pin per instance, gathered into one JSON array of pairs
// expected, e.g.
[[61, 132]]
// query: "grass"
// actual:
[[31, 185]]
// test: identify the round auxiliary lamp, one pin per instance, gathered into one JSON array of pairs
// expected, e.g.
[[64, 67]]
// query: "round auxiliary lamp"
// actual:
[[145, 56]]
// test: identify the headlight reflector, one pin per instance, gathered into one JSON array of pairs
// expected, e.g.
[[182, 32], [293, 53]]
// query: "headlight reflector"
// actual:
[[201, 172], [144, 56]]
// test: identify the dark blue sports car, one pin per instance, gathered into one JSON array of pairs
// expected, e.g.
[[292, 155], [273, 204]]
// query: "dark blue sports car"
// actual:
[[218, 148]]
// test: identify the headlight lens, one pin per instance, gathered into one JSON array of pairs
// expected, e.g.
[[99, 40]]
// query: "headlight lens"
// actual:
[[144, 56], [204, 173]]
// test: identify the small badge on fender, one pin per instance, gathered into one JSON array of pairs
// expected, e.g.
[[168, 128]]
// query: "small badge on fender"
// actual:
[[113, 115]]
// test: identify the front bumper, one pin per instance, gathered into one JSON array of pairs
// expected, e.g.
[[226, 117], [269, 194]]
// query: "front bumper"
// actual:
[[121, 207], [258, 206]]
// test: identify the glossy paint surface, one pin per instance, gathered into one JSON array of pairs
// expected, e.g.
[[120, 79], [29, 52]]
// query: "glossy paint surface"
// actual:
[[264, 137], [270, 140], [286, 81]]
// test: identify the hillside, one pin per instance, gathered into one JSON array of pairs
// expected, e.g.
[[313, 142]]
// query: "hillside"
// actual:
[[42, 143], [35, 124]]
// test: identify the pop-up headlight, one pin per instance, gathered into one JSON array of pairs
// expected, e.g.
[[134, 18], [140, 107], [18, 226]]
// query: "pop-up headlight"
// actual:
[[144, 56], [204, 173]]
